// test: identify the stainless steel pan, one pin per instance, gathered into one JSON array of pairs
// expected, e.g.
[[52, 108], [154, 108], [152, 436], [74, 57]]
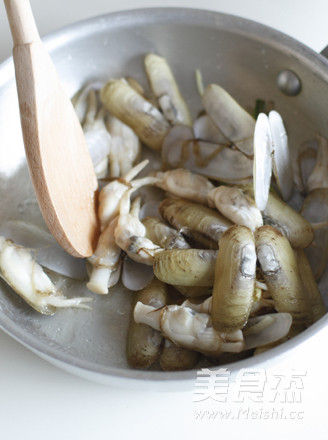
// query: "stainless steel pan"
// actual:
[[250, 60]]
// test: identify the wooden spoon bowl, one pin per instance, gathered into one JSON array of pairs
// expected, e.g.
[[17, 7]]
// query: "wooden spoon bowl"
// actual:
[[59, 162]]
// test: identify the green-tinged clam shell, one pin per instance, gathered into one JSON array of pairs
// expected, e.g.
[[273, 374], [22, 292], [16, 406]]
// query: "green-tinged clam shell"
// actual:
[[281, 274], [130, 107], [166, 90], [310, 285], [315, 210], [191, 217], [234, 281], [186, 267], [280, 215], [163, 235], [175, 358], [143, 342]]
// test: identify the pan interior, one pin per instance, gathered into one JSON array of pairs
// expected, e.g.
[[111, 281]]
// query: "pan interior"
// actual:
[[243, 57]]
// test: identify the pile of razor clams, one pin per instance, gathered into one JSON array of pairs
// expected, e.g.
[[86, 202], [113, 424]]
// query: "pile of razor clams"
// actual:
[[196, 219]]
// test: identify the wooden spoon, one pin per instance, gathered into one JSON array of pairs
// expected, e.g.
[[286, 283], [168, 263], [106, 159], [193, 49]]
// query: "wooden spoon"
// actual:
[[59, 162]]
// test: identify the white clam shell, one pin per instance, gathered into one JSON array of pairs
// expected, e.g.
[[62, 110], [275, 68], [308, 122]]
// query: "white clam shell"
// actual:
[[262, 164], [282, 166]]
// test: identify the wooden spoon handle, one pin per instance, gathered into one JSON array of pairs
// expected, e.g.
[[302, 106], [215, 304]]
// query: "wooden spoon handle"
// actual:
[[21, 21]]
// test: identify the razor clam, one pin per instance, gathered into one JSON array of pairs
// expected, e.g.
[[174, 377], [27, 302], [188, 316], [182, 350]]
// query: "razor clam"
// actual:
[[185, 184], [216, 161], [193, 218], [126, 104], [281, 274], [234, 122], [282, 166], [175, 358], [166, 90], [234, 281], [266, 329], [135, 84], [235, 205], [310, 286], [27, 278], [105, 261], [47, 251], [143, 342], [262, 164], [130, 233], [319, 176], [315, 210], [280, 215], [259, 304], [125, 147], [185, 267], [111, 194], [162, 235], [189, 329]]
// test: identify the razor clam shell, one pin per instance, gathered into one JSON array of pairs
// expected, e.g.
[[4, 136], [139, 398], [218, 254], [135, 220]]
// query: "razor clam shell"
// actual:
[[136, 85], [163, 235], [310, 286], [185, 267], [315, 210], [234, 122], [262, 164], [235, 272], [194, 219], [235, 205], [266, 329], [193, 330], [282, 166], [280, 215], [218, 162], [126, 104], [48, 253], [175, 358], [185, 184], [166, 90], [281, 274], [143, 342]]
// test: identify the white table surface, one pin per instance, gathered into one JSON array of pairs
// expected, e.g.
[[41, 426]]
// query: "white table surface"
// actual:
[[39, 401]]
